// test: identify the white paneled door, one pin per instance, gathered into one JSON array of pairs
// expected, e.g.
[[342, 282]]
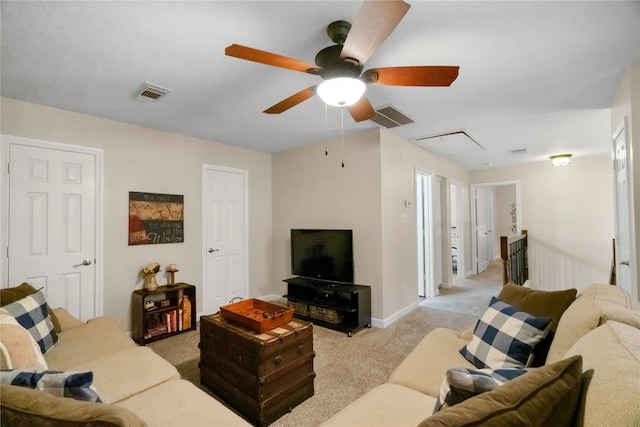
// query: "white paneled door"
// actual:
[[225, 237], [53, 226], [621, 176]]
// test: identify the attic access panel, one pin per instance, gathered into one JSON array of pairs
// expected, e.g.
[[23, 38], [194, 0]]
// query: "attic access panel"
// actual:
[[451, 143]]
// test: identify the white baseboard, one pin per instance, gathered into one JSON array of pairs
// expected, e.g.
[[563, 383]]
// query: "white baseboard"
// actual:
[[378, 323]]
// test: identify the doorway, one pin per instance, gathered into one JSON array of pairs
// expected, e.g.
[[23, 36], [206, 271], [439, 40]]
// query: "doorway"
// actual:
[[224, 224], [495, 212], [424, 234], [54, 222]]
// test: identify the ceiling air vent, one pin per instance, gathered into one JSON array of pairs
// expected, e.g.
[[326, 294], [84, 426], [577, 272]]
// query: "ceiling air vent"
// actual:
[[520, 151], [152, 93], [391, 117], [455, 138]]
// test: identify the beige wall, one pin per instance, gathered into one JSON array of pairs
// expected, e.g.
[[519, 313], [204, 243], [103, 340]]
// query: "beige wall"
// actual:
[[505, 195], [568, 212], [311, 190], [627, 104], [141, 159]]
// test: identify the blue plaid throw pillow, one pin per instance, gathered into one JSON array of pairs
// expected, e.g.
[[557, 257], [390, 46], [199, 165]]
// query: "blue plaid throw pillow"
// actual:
[[77, 386], [460, 384], [504, 337], [31, 313]]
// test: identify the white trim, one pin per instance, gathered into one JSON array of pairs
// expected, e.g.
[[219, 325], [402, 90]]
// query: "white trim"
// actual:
[[383, 323], [460, 225], [245, 173], [6, 141], [433, 291]]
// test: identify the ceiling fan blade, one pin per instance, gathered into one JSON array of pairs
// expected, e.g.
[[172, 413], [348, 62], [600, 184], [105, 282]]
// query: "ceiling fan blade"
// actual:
[[361, 110], [268, 58], [412, 76], [373, 24], [291, 101]]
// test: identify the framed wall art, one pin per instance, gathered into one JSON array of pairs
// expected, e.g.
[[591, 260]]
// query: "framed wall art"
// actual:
[[155, 218]]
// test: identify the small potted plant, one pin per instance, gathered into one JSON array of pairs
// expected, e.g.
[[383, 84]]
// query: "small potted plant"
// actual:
[[149, 275]]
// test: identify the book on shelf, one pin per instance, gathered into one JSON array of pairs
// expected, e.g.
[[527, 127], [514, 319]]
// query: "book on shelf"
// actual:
[[156, 330]]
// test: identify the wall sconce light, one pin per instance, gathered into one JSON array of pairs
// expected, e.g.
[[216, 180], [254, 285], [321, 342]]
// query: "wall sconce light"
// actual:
[[561, 159]]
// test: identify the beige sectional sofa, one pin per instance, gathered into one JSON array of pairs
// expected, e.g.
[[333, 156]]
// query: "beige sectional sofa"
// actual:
[[136, 386], [591, 376]]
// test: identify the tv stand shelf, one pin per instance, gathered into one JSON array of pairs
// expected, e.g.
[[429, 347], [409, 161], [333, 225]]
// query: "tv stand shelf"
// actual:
[[344, 307]]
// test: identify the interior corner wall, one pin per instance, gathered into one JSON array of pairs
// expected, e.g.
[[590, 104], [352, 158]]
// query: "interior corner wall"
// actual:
[[627, 104], [311, 190], [400, 159], [142, 159], [568, 213]]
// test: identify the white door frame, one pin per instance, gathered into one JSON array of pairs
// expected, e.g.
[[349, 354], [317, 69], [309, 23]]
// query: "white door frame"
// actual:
[[459, 225], [5, 142], [623, 131], [474, 257], [424, 237], [245, 173]]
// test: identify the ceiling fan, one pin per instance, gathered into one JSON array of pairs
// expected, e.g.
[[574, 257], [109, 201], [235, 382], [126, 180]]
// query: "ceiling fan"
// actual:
[[343, 62]]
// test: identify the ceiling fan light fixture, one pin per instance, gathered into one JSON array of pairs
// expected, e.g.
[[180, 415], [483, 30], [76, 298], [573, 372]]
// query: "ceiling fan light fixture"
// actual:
[[341, 91], [561, 160]]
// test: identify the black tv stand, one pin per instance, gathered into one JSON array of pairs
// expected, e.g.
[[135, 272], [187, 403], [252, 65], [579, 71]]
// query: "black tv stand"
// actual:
[[344, 307]]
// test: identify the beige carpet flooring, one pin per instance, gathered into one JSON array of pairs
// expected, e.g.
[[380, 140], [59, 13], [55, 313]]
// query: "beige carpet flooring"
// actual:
[[347, 368]]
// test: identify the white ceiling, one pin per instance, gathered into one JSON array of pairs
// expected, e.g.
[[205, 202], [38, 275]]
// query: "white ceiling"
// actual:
[[537, 75]]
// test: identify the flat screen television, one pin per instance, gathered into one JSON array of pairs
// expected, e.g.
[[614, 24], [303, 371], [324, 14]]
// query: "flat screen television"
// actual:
[[322, 254]]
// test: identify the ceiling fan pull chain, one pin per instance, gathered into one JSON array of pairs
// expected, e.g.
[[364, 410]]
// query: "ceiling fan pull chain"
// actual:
[[326, 132], [342, 131]]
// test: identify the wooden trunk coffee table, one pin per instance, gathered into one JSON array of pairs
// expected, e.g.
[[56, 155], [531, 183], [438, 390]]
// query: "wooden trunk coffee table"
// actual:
[[261, 375]]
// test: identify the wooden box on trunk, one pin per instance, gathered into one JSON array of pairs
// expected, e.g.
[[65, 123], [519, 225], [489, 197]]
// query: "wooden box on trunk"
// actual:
[[261, 375]]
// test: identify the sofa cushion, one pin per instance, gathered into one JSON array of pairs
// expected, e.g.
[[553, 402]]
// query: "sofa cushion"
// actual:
[[64, 320], [18, 349], [96, 338], [76, 385], [182, 404], [32, 313], [121, 375], [25, 407], [9, 295], [504, 337], [593, 306], [15, 293], [387, 405], [546, 396], [426, 365], [461, 384], [611, 353], [539, 303]]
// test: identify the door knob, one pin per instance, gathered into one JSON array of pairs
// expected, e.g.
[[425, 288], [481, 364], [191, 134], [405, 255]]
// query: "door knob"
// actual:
[[86, 261], [213, 250], [624, 263]]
